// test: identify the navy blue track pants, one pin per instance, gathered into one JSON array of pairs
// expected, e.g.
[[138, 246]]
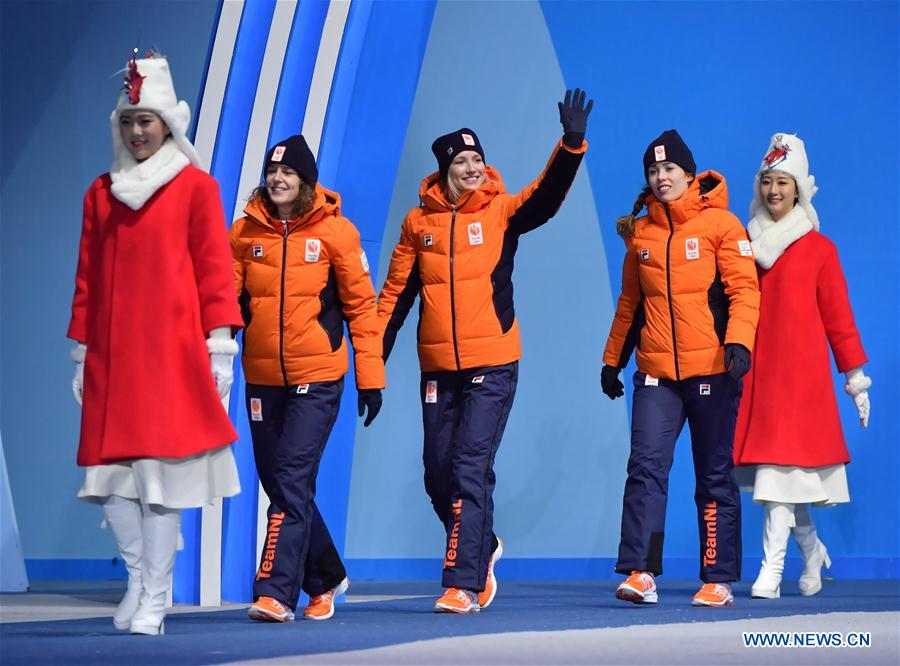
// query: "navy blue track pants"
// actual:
[[290, 427], [659, 410], [464, 414]]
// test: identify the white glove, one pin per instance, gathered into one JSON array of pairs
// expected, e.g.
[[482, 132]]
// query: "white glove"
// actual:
[[857, 387], [222, 349], [77, 354]]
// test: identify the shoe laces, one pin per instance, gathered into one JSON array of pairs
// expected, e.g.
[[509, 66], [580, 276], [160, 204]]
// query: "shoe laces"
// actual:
[[461, 594], [717, 589], [643, 576], [323, 598]]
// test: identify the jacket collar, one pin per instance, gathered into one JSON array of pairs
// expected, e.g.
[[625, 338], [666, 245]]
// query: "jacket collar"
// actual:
[[770, 239], [707, 190], [433, 197], [133, 182], [326, 203]]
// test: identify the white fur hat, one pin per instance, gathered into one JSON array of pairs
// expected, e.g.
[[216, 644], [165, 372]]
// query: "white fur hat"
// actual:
[[787, 154], [148, 85]]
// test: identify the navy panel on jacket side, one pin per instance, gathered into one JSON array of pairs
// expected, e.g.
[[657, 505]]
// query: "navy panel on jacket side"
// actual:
[[501, 280]]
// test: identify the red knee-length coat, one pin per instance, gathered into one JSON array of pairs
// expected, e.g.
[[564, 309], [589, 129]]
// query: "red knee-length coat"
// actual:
[[150, 285], [788, 413]]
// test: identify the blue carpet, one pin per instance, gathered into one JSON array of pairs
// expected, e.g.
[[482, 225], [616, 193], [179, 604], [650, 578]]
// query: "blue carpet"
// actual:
[[216, 637]]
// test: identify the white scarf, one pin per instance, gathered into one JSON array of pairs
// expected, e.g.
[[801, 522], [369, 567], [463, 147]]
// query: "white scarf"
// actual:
[[770, 239], [133, 182]]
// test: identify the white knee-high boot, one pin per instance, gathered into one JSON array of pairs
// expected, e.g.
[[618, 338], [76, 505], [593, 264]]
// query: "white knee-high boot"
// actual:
[[124, 518], [160, 529], [776, 530], [815, 555]]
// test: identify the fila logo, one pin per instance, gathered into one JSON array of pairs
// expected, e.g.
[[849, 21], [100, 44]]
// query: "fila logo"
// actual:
[[256, 409], [467, 139], [302, 388], [257, 250], [692, 248], [705, 389], [645, 253], [278, 153], [431, 392], [478, 380], [659, 153], [428, 240], [313, 248]]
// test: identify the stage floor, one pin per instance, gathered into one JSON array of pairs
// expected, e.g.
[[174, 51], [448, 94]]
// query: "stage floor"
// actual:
[[536, 622]]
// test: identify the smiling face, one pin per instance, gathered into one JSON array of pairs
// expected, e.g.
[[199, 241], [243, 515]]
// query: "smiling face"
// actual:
[[466, 172], [283, 185], [668, 181], [779, 192], [142, 132]]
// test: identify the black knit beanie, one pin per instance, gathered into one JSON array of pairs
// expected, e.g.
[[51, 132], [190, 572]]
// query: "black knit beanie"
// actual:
[[446, 147], [669, 147], [294, 152]]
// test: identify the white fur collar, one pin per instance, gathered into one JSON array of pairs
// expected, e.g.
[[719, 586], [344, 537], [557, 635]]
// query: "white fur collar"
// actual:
[[770, 239], [133, 182]]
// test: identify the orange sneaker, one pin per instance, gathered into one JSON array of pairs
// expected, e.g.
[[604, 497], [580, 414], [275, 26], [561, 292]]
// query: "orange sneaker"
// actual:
[[321, 607], [638, 588], [455, 600], [267, 609], [713, 594], [486, 596]]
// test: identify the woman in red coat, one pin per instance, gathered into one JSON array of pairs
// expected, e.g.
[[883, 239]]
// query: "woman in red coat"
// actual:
[[788, 428], [153, 315]]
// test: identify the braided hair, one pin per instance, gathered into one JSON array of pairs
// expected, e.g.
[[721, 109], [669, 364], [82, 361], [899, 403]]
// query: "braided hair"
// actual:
[[625, 224]]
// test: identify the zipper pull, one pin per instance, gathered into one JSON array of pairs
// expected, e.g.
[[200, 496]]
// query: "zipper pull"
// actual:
[[284, 222]]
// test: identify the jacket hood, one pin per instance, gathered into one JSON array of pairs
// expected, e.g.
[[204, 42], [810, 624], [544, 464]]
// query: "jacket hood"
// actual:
[[707, 190], [326, 203], [433, 197]]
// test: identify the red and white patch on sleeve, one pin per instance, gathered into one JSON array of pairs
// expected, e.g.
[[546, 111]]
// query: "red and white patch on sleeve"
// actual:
[[745, 248]]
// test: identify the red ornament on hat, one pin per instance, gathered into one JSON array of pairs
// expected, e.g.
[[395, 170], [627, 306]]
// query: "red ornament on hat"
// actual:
[[133, 82]]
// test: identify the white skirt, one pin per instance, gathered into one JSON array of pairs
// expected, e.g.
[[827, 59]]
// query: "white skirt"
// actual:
[[175, 483], [820, 486]]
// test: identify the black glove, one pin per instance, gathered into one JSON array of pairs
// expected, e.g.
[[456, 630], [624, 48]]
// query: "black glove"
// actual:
[[609, 382], [573, 115], [737, 360], [370, 398]]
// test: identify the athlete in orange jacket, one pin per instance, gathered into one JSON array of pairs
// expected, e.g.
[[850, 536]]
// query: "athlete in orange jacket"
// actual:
[[300, 272], [690, 303], [456, 250]]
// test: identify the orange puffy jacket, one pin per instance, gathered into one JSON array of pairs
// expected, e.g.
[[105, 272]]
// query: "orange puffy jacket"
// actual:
[[689, 286], [461, 260], [297, 281]]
